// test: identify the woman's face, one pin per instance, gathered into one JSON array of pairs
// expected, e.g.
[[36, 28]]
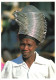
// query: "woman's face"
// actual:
[[27, 47]]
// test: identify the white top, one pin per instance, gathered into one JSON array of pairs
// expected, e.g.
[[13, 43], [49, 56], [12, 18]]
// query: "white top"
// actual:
[[40, 69]]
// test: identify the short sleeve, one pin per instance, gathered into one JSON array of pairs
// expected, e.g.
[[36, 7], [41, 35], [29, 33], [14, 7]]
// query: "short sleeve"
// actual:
[[7, 70], [51, 69]]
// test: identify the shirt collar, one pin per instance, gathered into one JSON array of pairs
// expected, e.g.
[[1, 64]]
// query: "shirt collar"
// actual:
[[18, 60], [40, 60]]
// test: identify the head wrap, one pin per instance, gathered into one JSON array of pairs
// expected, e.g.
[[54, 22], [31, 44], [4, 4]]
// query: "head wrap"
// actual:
[[32, 22]]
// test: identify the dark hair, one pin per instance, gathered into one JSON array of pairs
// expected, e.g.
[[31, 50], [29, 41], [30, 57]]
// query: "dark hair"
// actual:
[[21, 36]]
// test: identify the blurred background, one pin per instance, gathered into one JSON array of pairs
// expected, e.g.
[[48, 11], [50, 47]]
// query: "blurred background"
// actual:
[[9, 29]]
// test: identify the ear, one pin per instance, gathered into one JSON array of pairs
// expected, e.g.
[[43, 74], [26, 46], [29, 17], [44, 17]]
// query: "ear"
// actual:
[[37, 45]]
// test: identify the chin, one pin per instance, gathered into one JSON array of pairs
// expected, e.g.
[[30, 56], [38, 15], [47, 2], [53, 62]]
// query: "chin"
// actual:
[[25, 56]]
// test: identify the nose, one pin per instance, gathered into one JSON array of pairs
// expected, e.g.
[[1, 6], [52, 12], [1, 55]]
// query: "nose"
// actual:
[[25, 47]]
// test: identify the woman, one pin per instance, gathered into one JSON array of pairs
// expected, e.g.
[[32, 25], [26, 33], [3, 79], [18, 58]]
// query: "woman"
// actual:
[[31, 33]]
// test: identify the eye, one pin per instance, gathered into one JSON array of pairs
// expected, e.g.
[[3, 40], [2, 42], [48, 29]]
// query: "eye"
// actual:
[[22, 44], [29, 45]]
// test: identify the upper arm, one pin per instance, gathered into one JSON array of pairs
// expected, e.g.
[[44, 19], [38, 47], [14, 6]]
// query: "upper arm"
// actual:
[[51, 69]]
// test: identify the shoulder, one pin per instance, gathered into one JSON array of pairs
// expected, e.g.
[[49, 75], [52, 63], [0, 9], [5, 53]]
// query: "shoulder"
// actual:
[[18, 60], [8, 65], [43, 60], [7, 69], [14, 62]]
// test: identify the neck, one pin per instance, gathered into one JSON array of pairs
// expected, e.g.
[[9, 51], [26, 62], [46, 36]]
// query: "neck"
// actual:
[[30, 60]]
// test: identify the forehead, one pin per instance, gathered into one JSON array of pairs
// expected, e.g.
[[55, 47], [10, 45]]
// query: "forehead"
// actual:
[[28, 40]]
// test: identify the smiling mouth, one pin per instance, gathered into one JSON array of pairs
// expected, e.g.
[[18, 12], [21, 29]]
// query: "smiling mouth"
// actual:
[[25, 52]]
